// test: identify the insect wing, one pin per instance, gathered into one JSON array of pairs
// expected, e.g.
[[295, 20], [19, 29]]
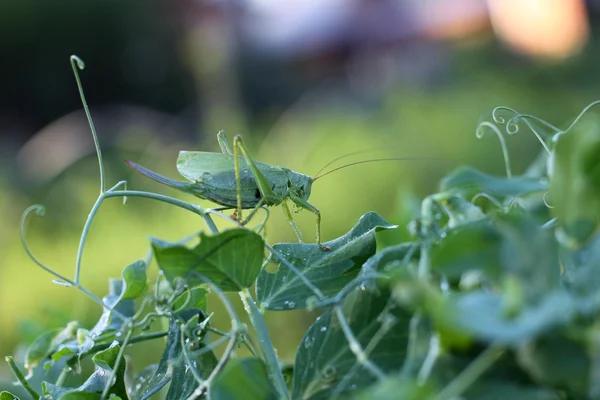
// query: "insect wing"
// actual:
[[200, 166]]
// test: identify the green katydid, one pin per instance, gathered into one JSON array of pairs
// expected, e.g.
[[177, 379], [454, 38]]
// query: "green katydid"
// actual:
[[220, 178]]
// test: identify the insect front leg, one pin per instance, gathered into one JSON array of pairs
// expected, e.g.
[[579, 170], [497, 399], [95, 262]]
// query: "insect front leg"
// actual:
[[290, 218], [267, 196], [307, 206]]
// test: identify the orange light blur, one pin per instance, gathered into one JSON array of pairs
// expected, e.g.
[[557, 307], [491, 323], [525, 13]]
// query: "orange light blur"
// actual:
[[554, 29]]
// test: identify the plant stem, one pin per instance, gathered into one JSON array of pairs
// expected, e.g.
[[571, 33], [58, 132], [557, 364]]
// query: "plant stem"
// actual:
[[266, 346], [196, 209], [133, 340], [64, 374], [17, 372], [470, 374], [115, 367]]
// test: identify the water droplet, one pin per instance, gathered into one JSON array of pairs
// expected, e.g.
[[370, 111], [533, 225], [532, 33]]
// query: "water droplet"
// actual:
[[443, 235], [206, 176], [291, 304], [308, 342], [329, 373], [101, 372], [323, 329]]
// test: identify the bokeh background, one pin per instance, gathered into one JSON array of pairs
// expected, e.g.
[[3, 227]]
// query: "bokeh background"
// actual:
[[304, 81]]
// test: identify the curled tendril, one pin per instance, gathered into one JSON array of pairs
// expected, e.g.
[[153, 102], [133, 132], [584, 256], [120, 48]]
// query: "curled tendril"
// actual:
[[40, 211], [545, 200], [499, 119], [512, 125], [76, 61], [480, 132]]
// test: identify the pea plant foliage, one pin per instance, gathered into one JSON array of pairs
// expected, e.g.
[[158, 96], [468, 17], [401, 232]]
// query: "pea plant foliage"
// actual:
[[496, 296]]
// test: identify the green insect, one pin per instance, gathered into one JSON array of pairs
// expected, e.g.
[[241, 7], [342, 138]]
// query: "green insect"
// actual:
[[235, 180]]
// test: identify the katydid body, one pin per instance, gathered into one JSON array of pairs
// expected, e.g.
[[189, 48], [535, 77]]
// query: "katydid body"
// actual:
[[237, 181]]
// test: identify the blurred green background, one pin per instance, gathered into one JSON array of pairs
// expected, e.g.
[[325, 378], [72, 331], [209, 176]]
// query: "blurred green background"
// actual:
[[303, 82]]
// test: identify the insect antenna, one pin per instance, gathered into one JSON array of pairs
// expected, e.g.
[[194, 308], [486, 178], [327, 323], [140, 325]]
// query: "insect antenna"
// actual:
[[349, 155], [377, 160]]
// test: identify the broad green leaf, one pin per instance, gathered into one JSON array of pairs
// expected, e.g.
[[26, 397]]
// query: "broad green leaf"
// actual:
[[530, 253], [329, 271], [325, 364], [581, 276], [482, 314], [473, 246], [4, 395], [231, 259], [502, 390], [48, 342], [244, 379], [469, 182], [461, 212], [121, 295], [194, 298], [134, 276], [94, 385], [557, 361], [141, 383], [575, 181], [108, 320], [79, 395], [172, 368], [396, 388]]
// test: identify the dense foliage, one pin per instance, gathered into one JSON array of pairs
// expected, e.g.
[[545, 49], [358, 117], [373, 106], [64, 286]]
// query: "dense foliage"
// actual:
[[496, 296]]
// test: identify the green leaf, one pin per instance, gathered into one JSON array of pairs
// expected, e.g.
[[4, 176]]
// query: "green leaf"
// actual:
[[93, 386], [134, 276], [557, 361], [47, 343], [501, 390], [197, 299], [325, 364], [329, 271], [172, 368], [108, 320], [396, 388], [244, 379], [483, 315], [529, 252], [231, 259], [78, 395], [473, 246], [575, 181], [469, 182], [4, 395]]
